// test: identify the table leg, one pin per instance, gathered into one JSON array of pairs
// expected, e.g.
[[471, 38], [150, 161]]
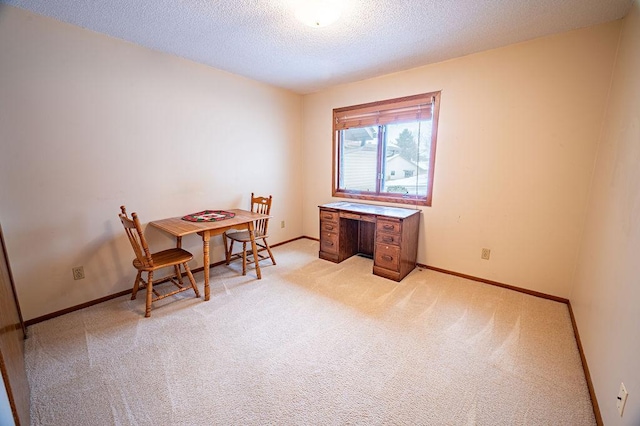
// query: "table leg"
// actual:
[[205, 250], [178, 270], [256, 259]]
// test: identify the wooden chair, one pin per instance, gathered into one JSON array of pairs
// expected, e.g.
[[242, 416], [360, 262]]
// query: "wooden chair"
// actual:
[[258, 205], [146, 261]]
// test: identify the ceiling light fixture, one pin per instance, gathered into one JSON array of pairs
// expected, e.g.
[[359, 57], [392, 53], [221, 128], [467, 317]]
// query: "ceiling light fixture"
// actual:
[[318, 13]]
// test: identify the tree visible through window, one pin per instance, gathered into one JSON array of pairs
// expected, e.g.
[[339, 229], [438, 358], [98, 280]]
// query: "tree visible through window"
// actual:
[[385, 151]]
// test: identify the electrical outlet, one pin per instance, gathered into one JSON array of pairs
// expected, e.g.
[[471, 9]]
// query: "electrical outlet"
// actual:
[[78, 273], [282, 224], [486, 253], [622, 398]]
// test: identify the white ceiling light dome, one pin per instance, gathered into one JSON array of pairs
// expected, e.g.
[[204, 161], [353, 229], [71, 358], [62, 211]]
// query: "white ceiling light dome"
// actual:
[[318, 13]]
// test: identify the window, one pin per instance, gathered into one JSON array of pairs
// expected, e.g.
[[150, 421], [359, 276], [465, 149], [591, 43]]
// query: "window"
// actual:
[[374, 141]]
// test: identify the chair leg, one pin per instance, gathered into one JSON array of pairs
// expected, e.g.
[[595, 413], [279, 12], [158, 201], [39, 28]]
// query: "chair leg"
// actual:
[[266, 245], [193, 282], [244, 258], [136, 285], [224, 244], [147, 312], [178, 274], [230, 252]]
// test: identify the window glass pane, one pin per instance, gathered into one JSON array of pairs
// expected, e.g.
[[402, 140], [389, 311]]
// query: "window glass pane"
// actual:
[[359, 158], [406, 163]]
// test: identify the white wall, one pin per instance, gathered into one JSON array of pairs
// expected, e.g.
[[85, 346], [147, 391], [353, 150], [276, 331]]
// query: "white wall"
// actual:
[[517, 139], [606, 297], [88, 123]]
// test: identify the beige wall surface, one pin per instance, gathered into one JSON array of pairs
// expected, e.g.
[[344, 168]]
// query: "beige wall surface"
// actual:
[[517, 139], [88, 123], [606, 296]]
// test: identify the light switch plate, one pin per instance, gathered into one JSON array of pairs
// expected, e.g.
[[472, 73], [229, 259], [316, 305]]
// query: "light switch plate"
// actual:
[[622, 398]]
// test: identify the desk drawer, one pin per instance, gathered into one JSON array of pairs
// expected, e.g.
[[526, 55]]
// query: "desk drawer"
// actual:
[[329, 242], [356, 216], [388, 226], [328, 226], [386, 238], [329, 215], [387, 256]]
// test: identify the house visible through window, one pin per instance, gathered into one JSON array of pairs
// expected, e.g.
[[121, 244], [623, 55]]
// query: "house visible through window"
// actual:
[[385, 151]]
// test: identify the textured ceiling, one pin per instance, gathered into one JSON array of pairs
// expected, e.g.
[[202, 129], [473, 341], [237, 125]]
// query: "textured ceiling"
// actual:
[[262, 40]]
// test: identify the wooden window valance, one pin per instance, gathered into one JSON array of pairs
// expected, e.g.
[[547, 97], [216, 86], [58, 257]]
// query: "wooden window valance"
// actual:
[[410, 108]]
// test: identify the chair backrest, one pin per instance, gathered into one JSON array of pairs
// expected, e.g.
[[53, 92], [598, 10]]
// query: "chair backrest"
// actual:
[[136, 237], [261, 205]]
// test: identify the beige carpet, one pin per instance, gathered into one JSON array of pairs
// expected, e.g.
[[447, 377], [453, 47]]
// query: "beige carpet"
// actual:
[[313, 343]]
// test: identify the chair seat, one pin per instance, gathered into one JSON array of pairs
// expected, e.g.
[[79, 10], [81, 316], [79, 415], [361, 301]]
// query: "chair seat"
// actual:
[[243, 236], [164, 258]]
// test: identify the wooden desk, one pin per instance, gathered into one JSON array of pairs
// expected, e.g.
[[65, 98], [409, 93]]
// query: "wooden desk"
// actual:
[[387, 234], [242, 220]]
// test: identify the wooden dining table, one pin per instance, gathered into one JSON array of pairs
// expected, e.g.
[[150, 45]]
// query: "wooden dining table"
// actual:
[[242, 220]]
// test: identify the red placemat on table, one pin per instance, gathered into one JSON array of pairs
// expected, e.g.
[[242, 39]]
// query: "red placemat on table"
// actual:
[[209, 216]]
